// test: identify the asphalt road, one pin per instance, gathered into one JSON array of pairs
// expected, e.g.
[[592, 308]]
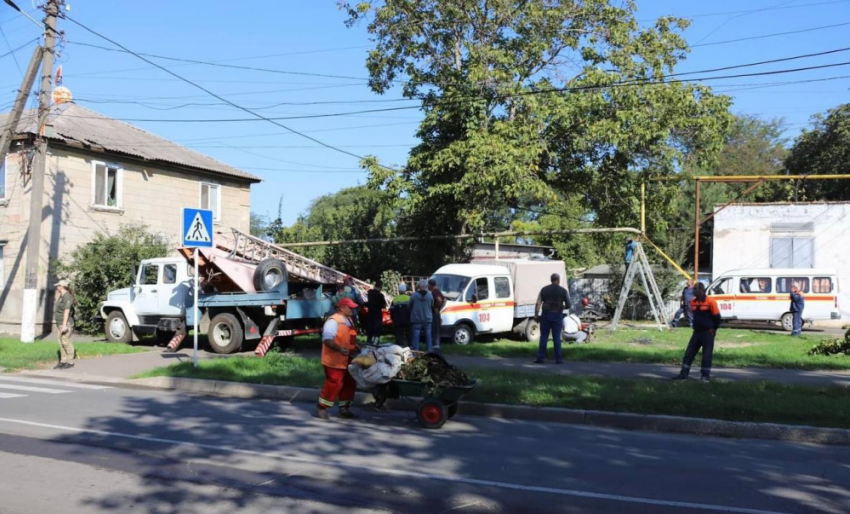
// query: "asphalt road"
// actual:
[[72, 449]]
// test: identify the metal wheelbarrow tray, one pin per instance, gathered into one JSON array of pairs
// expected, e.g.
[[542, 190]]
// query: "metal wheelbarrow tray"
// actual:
[[438, 404]]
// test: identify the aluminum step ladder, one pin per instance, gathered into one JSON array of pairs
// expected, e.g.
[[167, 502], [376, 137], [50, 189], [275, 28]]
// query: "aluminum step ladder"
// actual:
[[640, 265], [248, 248]]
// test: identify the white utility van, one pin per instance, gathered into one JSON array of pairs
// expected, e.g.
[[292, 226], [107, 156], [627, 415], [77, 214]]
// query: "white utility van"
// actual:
[[763, 294], [492, 297]]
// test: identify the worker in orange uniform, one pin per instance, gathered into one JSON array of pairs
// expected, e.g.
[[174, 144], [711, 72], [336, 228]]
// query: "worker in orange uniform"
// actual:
[[339, 344], [706, 321]]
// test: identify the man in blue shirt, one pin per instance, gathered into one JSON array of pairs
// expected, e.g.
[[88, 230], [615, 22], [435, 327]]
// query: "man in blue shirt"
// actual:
[[631, 245], [797, 305], [685, 305]]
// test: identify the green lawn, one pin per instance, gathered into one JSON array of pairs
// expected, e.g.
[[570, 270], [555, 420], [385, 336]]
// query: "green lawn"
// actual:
[[17, 355], [733, 348], [739, 401]]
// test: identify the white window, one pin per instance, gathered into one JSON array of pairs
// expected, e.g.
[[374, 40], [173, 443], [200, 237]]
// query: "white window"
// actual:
[[3, 180], [211, 199], [107, 185]]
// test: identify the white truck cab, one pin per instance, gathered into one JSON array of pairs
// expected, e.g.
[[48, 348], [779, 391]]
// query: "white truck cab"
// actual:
[[161, 292], [493, 297]]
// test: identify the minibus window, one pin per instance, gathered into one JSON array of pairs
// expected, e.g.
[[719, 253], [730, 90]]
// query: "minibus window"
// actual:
[[722, 287], [756, 285], [822, 285], [784, 284]]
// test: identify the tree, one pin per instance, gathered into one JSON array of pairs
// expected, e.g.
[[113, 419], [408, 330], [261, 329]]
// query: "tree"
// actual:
[[259, 225], [823, 150], [352, 213], [104, 264], [528, 103]]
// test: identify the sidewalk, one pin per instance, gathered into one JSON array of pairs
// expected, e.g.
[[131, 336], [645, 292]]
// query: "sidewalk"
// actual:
[[125, 366]]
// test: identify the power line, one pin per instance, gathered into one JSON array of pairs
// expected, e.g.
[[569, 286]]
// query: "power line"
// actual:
[[260, 116], [752, 11], [17, 64], [729, 20], [764, 36], [761, 63], [573, 89], [223, 65], [12, 51]]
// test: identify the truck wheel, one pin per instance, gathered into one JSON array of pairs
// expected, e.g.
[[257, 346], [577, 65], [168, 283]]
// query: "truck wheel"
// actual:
[[532, 331], [117, 328], [432, 413], [225, 333], [269, 274], [462, 335], [787, 321]]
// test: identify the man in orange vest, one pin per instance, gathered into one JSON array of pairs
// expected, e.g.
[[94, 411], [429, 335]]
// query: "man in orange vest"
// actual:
[[339, 344]]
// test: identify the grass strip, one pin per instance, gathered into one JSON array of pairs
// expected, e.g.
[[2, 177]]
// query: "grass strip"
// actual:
[[734, 401], [15, 355], [733, 349]]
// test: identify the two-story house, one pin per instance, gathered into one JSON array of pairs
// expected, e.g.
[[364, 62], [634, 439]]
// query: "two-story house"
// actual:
[[101, 173]]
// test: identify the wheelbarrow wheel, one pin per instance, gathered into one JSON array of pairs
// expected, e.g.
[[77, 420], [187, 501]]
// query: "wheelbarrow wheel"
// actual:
[[432, 413], [452, 410]]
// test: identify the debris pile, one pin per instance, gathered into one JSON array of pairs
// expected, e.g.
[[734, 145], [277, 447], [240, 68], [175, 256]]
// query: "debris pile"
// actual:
[[433, 369]]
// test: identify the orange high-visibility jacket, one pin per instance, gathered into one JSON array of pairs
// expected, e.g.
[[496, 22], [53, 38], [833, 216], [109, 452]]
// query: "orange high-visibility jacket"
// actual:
[[346, 337]]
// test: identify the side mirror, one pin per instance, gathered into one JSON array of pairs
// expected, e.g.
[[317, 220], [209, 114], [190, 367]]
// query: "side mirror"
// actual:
[[474, 298]]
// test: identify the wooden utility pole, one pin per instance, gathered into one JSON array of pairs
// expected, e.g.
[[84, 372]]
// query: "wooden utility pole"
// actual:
[[20, 103], [30, 304]]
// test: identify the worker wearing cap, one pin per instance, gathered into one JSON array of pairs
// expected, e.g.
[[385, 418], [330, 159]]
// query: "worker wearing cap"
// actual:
[[339, 344], [62, 315]]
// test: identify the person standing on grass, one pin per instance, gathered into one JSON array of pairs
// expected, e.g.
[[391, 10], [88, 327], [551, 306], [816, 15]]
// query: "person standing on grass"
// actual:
[[706, 321], [685, 305], [339, 344], [64, 318], [553, 300], [400, 314], [421, 315], [797, 305], [437, 321], [376, 304]]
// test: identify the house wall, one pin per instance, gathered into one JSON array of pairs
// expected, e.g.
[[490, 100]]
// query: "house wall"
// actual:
[[152, 195], [742, 238]]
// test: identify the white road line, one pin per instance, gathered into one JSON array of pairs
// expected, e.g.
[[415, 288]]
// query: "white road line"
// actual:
[[10, 395], [408, 474], [33, 389], [39, 381]]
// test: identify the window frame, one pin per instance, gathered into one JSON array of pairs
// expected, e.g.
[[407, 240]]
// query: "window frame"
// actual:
[[217, 186], [721, 280], [769, 282], [507, 285], [143, 275], [831, 284], [164, 276], [119, 186], [805, 290]]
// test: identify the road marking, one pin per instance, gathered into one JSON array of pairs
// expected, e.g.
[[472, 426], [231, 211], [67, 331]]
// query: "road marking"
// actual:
[[10, 395], [38, 381], [403, 473], [33, 389]]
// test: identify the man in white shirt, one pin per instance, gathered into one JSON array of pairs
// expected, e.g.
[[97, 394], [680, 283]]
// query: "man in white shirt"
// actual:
[[572, 329]]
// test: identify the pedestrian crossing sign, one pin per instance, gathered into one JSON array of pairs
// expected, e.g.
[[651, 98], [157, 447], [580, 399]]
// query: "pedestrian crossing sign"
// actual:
[[197, 228]]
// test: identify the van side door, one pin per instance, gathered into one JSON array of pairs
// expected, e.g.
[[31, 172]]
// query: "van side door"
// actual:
[[478, 296], [723, 291], [502, 308], [146, 297]]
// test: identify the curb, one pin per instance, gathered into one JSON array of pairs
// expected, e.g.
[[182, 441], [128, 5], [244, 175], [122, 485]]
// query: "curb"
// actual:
[[617, 420]]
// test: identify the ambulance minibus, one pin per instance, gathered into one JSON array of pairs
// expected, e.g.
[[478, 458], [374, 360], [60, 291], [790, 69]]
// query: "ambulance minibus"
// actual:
[[763, 294]]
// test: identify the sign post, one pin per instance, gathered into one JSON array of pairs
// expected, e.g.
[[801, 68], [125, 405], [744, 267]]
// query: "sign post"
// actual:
[[197, 233]]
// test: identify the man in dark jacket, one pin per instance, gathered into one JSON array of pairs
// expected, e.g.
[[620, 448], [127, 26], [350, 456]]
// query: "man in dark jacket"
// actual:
[[553, 300], [706, 321], [421, 315], [400, 314], [797, 305], [437, 321], [376, 303], [685, 305]]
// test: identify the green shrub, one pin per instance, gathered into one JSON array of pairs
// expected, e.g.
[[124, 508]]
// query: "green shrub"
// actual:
[[106, 263], [834, 347]]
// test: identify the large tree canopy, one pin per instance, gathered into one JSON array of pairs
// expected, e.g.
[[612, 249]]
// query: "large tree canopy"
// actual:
[[824, 150], [534, 103]]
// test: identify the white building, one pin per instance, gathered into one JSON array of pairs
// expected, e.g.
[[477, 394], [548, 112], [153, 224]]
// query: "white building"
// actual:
[[786, 235]]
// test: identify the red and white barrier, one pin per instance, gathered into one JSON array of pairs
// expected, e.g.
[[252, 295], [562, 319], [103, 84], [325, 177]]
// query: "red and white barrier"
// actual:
[[174, 344], [263, 347]]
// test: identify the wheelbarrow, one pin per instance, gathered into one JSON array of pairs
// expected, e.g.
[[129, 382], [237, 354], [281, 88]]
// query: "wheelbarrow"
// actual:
[[438, 404]]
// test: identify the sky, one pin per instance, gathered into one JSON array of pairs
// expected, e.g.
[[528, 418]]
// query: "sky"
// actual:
[[310, 37]]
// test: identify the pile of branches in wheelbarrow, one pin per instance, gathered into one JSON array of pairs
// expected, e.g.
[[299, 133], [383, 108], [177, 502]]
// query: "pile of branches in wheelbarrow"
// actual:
[[434, 370]]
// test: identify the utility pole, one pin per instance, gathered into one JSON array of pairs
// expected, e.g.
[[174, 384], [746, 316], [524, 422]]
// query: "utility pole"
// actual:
[[30, 306], [20, 103]]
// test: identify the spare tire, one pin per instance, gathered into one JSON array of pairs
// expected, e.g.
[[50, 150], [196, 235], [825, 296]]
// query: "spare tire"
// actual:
[[269, 274]]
